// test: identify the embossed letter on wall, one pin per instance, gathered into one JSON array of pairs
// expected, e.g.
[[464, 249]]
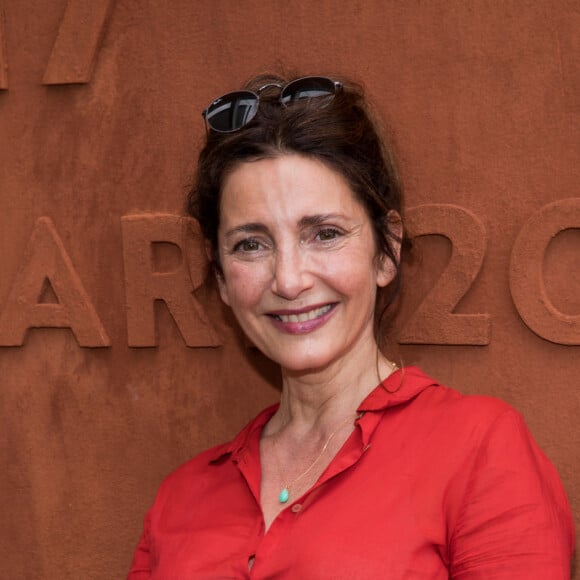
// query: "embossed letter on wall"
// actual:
[[46, 263], [144, 285], [76, 47]]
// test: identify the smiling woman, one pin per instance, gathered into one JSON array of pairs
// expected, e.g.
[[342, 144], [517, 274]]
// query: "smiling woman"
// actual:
[[301, 283], [363, 470]]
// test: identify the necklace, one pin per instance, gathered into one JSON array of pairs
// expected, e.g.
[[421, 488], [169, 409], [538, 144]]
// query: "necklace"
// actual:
[[284, 494]]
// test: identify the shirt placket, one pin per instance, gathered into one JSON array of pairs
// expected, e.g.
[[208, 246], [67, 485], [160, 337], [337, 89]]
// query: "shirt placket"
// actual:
[[248, 464], [351, 452]]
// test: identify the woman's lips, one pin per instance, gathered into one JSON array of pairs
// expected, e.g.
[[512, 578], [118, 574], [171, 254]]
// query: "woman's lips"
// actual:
[[304, 316], [304, 321]]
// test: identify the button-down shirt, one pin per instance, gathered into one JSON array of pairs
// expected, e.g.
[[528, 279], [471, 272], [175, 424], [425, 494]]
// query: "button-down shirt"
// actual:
[[431, 484]]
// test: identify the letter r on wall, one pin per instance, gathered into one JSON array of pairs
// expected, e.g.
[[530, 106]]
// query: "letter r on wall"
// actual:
[[144, 285]]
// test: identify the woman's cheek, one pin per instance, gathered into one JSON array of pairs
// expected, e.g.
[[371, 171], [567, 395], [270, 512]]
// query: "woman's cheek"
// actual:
[[245, 281]]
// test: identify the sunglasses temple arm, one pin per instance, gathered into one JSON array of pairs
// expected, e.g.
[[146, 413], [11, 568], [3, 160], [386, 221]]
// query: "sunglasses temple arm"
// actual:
[[205, 123]]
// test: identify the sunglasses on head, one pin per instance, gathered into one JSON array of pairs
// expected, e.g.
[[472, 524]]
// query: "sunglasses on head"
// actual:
[[232, 111]]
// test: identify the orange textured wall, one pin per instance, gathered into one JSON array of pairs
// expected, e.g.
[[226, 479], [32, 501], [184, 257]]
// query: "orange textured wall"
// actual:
[[117, 361]]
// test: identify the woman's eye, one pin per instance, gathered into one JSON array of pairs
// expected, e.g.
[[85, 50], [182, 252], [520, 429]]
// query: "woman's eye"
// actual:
[[248, 246], [328, 234]]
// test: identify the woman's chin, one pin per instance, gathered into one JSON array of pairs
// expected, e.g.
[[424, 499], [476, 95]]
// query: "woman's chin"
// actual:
[[297, 366]]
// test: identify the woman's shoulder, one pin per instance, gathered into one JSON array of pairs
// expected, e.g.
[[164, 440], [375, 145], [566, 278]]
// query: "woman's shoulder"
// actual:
[[466, 419], [498, 480], [428, 394], [189, 472], [208, 461], [478, 406]]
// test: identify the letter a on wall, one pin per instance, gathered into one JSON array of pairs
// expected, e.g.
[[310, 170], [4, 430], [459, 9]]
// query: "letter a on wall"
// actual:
[[45, 260]]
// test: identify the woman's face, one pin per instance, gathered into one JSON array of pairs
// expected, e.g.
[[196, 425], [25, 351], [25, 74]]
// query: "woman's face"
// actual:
[[298, 259]]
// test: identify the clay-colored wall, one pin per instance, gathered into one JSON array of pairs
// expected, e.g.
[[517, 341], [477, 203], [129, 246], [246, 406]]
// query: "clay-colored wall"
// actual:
[[99, 126]]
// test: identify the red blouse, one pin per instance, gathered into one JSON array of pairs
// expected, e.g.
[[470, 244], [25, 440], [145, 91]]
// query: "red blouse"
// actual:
[[430, 484]]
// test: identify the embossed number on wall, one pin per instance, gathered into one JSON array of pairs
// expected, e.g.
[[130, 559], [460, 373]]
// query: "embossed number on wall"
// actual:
[[434, 321], [526, 276]]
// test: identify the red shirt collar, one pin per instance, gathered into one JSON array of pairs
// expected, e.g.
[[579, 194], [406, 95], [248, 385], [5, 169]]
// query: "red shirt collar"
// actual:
[[396, 389]]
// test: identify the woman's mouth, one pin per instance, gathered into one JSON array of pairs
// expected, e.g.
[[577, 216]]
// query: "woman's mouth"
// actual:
[[303, 322], [304, 316]]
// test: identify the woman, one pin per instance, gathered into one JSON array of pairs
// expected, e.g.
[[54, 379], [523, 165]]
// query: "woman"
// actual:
[[299, 202]]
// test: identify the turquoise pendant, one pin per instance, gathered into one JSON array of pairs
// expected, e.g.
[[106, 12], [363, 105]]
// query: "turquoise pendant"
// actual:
[[284, 495]]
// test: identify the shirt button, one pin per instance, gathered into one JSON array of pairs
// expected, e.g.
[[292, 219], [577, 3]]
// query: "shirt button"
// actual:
[[297, 507]]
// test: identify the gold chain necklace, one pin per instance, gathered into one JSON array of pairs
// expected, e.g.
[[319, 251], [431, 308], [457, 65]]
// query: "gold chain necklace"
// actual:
[[284, 494]]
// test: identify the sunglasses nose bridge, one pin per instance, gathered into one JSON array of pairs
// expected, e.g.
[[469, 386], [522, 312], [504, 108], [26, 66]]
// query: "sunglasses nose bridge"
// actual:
[[268, 86]]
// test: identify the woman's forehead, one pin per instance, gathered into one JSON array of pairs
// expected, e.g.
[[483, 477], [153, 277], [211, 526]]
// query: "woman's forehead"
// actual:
[[289, 186]]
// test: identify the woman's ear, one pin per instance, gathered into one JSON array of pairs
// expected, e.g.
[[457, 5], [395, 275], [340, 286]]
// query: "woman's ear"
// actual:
[[219, 276], [387, 268], [208, 251], [217, 272]]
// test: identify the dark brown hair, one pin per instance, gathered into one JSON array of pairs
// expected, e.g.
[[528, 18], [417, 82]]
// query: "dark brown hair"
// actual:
[[341, 133]]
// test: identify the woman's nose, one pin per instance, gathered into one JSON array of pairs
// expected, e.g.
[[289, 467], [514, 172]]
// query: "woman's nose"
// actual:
[[291, 275]]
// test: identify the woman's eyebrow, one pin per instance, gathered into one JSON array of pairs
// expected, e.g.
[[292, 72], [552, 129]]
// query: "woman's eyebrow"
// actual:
[[306, 221], [255, 227], [315, 220]]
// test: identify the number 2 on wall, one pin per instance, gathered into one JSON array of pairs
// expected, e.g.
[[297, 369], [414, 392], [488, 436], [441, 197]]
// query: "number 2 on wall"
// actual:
[[434, 321]]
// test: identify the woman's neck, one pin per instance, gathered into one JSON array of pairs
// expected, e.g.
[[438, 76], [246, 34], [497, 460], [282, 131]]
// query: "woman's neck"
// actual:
[[320, 400]]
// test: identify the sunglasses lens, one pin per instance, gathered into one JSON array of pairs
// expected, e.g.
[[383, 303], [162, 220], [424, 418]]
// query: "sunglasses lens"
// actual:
[[308, 88], [232, 111]]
